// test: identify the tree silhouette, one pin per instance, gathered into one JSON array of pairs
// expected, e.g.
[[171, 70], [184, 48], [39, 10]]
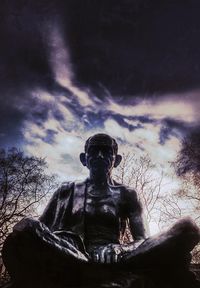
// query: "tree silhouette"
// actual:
[[187, 166], [23, 184]]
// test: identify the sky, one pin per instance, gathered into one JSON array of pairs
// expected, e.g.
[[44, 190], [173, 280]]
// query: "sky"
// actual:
[[69, 69]]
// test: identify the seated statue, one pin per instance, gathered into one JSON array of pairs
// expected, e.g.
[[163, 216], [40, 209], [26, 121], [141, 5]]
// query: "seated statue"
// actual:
[[76, 241]]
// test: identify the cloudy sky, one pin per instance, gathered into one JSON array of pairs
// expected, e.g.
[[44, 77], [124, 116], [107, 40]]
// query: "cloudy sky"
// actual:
[[69, 69]]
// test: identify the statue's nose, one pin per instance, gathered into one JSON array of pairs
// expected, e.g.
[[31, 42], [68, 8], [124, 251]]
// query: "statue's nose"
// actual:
[[100, 154]]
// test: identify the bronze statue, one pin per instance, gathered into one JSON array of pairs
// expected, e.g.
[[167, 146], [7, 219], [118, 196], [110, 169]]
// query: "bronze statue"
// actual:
[[78, 234]]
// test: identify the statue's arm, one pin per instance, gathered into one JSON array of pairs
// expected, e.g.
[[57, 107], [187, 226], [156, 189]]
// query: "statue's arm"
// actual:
[[57, 205], [49, 212], [137, 223]]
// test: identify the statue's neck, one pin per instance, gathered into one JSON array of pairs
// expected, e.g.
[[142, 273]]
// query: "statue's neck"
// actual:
[[100, 181]]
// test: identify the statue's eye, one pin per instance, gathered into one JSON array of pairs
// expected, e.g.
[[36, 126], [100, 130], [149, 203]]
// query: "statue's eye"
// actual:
[[105, 150], [93, 150]]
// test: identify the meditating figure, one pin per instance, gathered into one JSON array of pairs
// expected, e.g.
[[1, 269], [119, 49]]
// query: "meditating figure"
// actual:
[[80, 230]]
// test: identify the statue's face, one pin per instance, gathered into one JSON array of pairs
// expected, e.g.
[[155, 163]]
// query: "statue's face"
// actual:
[[100, 156], [100, 159]]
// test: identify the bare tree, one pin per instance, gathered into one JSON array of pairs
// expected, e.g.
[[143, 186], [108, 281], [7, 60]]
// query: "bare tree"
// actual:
[[169, 210], [23, 184], [140, 173]]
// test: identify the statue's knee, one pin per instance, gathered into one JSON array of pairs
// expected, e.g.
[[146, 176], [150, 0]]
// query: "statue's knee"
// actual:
[[11, 240], [191, 231], [26, 224], [187, 232], [16, 253], [11, 247], [20, 240]]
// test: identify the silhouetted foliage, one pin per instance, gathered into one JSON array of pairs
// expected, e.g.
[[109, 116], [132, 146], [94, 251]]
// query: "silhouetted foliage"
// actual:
[[188, 159], [187, 166]]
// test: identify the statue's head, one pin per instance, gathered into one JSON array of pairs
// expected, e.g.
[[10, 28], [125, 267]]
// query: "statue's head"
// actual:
[[100, 154]]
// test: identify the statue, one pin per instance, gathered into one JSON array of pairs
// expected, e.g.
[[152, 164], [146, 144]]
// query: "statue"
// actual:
[[78, 235]]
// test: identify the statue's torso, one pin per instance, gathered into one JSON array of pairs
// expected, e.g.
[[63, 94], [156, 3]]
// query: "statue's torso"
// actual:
[[102, 214]]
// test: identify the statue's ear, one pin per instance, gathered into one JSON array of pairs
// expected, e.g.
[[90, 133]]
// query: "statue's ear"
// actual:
[[118, 159], [83, 159]]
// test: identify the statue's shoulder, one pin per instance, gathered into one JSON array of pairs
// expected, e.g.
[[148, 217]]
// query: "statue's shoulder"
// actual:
[[128, 194], [80, 183], [65, 189], [127, 190], [68, 187]]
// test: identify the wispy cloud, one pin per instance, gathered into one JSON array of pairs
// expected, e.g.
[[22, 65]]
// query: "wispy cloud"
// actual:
[[59, 60]]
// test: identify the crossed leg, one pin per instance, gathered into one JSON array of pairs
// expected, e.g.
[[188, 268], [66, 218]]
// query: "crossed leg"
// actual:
[[35, 257]]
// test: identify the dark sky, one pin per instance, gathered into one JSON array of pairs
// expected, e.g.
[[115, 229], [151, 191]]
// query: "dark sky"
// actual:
[[131, 50], [136, 47], [130, 47]]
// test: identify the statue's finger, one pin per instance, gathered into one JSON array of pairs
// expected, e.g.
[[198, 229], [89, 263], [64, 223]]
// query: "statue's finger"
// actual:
[[114, 258], [108, 257], [102, 256], [95, 256]]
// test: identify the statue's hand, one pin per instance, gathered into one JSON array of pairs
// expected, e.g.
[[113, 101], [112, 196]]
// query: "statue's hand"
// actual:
[[107, 254]]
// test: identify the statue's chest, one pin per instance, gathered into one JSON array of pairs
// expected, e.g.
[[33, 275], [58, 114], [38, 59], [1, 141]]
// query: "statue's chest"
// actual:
[[102, 202]]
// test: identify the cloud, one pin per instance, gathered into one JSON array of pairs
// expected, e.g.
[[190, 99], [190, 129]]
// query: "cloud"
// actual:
[[61, 66], [173, 106]]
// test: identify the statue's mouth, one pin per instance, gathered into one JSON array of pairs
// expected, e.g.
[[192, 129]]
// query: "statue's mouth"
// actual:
[[100, 163]]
